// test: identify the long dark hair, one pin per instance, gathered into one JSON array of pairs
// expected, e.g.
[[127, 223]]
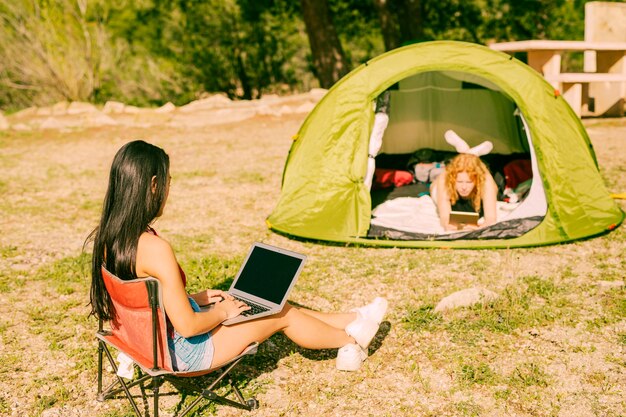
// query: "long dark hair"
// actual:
[[130, 205]]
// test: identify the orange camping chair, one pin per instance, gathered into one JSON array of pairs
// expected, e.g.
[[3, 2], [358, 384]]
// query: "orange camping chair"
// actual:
[[139, 331]]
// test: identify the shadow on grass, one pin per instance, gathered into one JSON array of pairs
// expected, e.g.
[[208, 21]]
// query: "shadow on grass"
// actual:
[[252, 367]]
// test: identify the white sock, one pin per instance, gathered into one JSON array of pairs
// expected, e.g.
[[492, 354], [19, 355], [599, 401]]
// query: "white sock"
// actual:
[[482, 149], [455, 140]]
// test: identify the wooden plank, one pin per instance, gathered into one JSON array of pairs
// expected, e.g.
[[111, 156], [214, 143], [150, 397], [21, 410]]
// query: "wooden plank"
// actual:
[[573, 94], [582, 77], [548, 45]]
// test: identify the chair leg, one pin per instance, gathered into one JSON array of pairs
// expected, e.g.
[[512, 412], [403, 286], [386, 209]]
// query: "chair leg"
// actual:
[[122, 383], [209, 394], [100, 352], [110, 392], [243, 404], [156, 383], [236, 390]]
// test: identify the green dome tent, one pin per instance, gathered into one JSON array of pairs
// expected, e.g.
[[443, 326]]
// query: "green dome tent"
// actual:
[[435, 86]]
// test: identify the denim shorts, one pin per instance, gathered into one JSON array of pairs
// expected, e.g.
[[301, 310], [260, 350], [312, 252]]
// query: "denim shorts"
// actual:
[[191, 353]]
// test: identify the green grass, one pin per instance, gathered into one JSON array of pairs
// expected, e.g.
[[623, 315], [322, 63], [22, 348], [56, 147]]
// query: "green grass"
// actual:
[[68, 275], [528, 375], [4, 405], [478, 373], [248, 178], [8, 362], [9, 251], [613, 303], [422, 318], [118, 413], [211, 272], [467, 408], [6, 282], [194, 174]]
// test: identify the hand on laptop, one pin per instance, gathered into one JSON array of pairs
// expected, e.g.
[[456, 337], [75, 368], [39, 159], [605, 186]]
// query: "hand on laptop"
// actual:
[[231, 307], [204, 298]]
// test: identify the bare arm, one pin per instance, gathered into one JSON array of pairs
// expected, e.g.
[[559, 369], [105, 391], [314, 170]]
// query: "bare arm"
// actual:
[[156, 258], [443, 202], [489, 197]]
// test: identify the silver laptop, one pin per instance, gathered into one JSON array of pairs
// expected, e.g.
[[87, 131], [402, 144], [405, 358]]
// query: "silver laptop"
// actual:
[[264, 281]]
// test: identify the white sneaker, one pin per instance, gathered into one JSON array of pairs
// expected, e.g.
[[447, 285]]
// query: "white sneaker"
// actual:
[[374, 311], [362, 330], [350, 357]]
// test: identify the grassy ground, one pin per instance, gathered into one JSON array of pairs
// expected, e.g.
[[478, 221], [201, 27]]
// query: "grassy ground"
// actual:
[[553, 344]]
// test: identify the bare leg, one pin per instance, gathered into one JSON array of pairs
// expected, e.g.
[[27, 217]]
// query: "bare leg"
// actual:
[[303, 329], [338, 320]]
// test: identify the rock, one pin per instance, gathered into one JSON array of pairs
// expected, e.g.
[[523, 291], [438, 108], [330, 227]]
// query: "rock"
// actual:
[[269, 98], [150, 118], [79, 107], [21, 127], [286, 110], [85, 120], [131, 109], [213, 117], [215, 101], [4, 123], [466, 298], [317, 93], [113, 107], [265, 110], [166, 108], [51, 123], [305, 107], [99, 119], [44, 111], [30, 111], [60, 108]]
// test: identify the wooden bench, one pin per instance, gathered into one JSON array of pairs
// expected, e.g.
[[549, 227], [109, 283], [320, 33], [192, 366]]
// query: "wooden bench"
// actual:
[[609, 78], [575, 89]]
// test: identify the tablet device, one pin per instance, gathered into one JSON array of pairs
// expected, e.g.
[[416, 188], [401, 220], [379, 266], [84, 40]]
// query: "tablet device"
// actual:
[[463, 218]]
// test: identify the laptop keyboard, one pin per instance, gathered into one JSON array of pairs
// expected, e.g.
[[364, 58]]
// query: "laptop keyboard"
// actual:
[[254, 308]]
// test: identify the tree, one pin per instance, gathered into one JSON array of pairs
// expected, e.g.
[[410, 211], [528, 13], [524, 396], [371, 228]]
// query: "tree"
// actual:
[[400, 21], [535, 19], [50, 51], [388, 24], [329, 62]]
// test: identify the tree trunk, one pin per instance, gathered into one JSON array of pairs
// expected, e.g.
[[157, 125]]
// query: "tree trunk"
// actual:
[[409, 14], [388, 24], [400, 21], [329, 62]]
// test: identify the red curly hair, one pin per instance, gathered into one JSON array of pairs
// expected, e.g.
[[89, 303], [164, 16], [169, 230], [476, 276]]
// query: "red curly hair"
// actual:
[[475, 169]]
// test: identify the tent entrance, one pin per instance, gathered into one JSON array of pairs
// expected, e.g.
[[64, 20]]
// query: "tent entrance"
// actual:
[[408, 137]]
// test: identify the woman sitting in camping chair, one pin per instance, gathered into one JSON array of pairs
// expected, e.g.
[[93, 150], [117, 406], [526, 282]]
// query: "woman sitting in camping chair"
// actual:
[[465, 186], [127, 246]]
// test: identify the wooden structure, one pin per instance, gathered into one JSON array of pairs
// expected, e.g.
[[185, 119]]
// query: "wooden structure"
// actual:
[[609, 71], [600, 90]]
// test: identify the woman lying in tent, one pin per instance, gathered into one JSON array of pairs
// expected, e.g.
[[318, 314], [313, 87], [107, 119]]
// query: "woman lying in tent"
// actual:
[[465, 186]]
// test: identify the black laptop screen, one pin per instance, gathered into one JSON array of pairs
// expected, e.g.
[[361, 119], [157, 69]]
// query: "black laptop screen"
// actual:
[[268, 274]]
